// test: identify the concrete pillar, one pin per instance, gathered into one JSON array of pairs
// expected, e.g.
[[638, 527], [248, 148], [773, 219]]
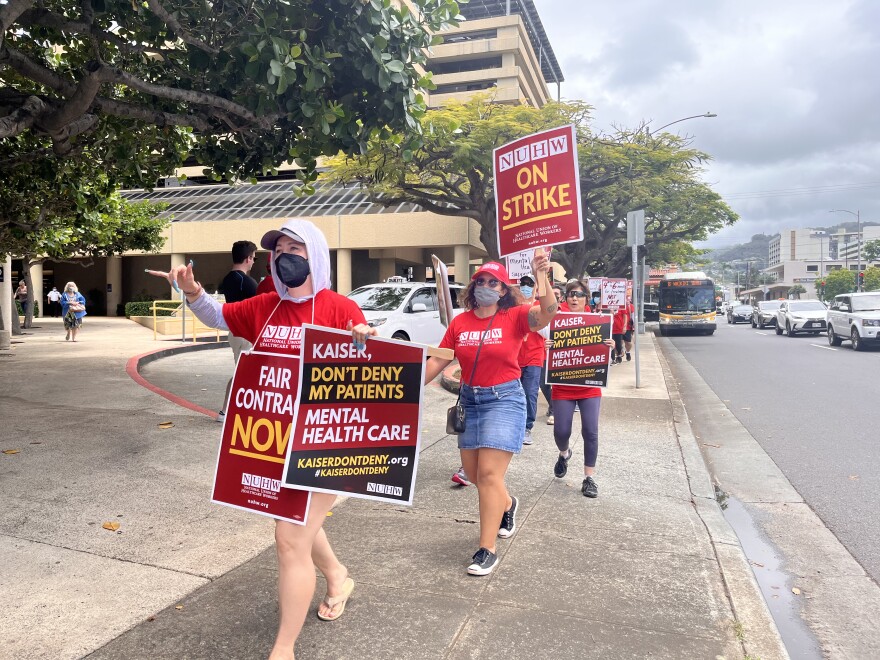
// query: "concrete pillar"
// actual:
[[114, 284], [37, 285], [387, 268], [343, 271], [177, 259], [462, 258], [6, 305]]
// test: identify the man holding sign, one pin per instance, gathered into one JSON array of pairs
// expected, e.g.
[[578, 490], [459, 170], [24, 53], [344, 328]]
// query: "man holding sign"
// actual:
[[579, 358], [259, 416]]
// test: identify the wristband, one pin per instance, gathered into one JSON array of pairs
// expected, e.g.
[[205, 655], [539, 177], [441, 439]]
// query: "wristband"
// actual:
[[194, 293]]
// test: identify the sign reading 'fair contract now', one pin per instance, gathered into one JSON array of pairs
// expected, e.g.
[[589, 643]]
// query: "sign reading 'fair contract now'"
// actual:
[[537, 191]]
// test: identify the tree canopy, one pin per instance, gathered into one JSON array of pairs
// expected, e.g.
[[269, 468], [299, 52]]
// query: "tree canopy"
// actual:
[[241, 85], [871, 250], [836, 282], [451, 174]]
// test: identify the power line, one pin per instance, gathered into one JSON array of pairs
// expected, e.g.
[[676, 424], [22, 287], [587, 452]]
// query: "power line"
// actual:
[[795, 192]]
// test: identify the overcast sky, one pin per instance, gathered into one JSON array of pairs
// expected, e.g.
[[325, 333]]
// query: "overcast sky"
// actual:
[[795, 84]]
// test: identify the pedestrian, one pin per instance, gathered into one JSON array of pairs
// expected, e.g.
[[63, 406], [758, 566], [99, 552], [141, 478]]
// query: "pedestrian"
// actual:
[[266, 284], [486, 338], [619, 326], [630, 328], [301, 274], [21, 295], [73, 309], [54, 298], [531, 361], [566, 398], [236, 286]]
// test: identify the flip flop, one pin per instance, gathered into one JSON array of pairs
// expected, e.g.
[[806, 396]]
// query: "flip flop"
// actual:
[[342, 599]]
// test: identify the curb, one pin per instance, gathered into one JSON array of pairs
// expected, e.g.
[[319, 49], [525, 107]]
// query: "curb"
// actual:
[[134, 364], [760, 638]]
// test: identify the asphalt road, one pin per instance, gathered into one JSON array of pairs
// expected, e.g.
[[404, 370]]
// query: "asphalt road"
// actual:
[[815, 410]]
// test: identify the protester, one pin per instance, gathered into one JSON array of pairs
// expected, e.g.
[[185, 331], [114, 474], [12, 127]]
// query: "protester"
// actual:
[[301, 275], [266, 284], [73, 309], [531, 362], [619, 327], [238, 285], [54, 298], [21, 295], [586, 399], [559, 292], [630, 328], [494, 323]]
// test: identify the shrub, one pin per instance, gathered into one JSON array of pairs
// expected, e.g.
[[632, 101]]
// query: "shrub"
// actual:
[[143, 308], [21, 311]]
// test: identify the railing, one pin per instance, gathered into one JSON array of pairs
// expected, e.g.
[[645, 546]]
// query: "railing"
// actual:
[[188, 322]]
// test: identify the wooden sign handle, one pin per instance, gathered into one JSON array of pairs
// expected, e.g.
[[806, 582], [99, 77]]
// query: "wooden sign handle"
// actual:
[[442, 353], [541, 279]]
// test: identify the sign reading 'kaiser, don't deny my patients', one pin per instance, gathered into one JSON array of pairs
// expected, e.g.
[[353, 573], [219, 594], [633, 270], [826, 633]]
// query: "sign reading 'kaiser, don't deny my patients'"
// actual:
[[357, 419]]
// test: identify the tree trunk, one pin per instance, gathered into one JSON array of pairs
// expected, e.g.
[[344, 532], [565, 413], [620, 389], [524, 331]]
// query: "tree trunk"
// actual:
[[29, 314], [15, 324]]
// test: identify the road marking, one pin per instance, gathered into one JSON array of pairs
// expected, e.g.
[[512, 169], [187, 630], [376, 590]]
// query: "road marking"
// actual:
[[763, 333], [827, 348]]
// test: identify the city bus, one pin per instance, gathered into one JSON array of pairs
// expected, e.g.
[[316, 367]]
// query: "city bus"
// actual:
[[687, 303]]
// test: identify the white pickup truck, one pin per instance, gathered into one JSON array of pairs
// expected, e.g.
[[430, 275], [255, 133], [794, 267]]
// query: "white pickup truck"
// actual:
[[855, 317]]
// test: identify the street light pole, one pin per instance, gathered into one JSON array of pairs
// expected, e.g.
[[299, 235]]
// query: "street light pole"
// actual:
[[705, 114]]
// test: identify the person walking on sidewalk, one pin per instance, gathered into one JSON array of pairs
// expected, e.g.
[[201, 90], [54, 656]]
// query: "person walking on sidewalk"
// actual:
[[486, 338], [567, 398], [559, 292], [238, 285], [73, 309], [531, 360], [54, 298], [619, 326], [21, 295], [301, 273]]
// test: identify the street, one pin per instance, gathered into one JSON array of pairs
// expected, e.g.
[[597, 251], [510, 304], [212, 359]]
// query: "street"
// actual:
[[814, 410]]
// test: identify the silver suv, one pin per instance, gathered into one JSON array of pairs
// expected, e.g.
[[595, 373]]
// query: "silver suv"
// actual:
[[405, 310], [764, 313], [856, 317]]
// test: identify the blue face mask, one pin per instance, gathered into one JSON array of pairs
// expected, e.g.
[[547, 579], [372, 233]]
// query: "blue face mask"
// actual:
[[526, 291]]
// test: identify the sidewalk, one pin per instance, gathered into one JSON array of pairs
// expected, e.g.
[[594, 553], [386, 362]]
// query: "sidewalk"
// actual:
[[649, 569]]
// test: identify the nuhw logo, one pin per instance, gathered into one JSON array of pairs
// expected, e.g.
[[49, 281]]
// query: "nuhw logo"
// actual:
[[531, 152], [263, 483], [470, 336], [282, 332]]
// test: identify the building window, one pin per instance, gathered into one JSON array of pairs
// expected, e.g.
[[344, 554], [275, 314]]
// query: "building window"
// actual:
[[461, 66], [469, 36], [465, 87], [812, 269]]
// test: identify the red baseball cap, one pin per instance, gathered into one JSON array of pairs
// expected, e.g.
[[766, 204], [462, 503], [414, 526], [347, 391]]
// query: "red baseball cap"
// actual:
[[494, 269]]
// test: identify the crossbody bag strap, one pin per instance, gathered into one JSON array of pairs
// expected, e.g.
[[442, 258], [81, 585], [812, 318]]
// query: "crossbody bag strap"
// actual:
[[479, 348]]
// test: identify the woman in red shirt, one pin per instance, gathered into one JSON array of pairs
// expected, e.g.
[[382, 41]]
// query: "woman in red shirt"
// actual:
[[302, 294], [586, 399], [493, 398], [619, 328]]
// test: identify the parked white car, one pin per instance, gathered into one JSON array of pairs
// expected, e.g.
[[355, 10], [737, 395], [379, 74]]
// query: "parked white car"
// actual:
[[807, 316], [404, 310], [856, 317]]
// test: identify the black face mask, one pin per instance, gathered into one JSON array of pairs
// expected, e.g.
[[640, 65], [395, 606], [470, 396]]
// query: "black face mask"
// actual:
[[292, 269]]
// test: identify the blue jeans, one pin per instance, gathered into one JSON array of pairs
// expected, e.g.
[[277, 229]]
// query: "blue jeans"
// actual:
[[531, 382]]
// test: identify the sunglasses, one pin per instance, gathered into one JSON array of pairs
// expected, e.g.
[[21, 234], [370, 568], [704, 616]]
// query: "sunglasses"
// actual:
[[483, 282], [576, 294]]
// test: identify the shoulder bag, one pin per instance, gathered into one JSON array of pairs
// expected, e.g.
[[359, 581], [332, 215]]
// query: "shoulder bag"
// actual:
[[455, 417]]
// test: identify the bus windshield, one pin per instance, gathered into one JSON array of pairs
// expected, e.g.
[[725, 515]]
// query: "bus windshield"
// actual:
[[687, 299]]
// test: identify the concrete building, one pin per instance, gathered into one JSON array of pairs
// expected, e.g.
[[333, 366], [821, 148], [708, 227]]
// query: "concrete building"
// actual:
[[502, 46]]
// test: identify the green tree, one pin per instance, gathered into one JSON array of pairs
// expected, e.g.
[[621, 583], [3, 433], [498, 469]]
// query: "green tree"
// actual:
[[837, 282], [871, 251], [249, 83], [796, 291], [872, 278], [451, 174]]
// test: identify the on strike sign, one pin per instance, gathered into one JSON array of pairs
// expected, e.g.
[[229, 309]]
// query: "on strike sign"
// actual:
[[356, 427], [259, 418], [579, 356], [537, 191]]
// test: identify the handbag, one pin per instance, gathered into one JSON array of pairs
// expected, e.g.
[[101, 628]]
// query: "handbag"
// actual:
[[456, 422], [76, 307]]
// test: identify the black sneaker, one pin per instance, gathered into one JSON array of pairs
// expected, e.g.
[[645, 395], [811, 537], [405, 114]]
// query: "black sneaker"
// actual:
[[589, 488], [561, 466], [484, 562], [628, 357], [508, 521]]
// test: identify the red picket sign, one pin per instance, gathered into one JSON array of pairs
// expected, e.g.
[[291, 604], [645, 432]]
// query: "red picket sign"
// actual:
[[579, 356]]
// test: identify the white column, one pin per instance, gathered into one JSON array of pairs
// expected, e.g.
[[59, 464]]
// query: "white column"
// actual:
[[37, 285], [462, 258], [177, 259], [114, 284], [343, 271], [6, 304]]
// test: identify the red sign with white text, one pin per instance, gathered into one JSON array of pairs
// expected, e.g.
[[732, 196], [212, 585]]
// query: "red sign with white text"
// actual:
[[579, 355], [259, 420], [537, 191], [356, 429]]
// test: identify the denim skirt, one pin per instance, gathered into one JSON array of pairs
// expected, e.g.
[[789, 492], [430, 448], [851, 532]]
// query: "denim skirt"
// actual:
[[495, 417]]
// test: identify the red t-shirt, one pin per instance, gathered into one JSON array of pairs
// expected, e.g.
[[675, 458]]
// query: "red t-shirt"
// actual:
[[573, 392], [532, 352], [266, 285], [283, 326], [497, 363], [621, 321]]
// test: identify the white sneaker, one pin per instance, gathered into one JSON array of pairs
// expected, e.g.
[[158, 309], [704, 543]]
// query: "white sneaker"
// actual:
[[527, 439], [221, 417], [550, 420]]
